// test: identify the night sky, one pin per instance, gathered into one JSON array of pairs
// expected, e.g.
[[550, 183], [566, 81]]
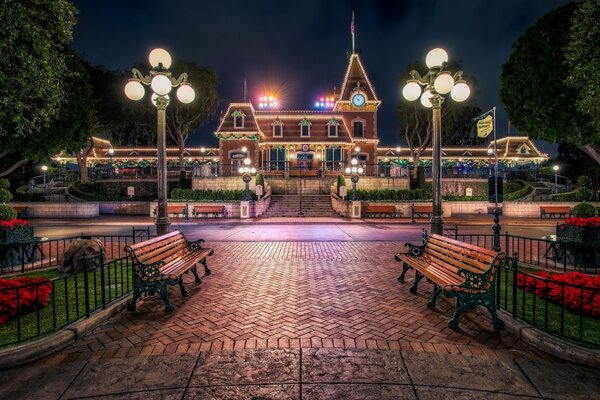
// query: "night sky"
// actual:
[[300, 48]]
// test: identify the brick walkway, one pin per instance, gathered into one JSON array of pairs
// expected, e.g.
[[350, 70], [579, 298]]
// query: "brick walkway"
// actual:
[[295, 295]]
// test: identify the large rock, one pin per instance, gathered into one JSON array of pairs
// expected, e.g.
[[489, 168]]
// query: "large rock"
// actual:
[[74, 258]]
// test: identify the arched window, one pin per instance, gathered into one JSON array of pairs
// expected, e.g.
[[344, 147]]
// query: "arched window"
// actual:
[[332, 127], [238, 119], [305, 128], [277, 128]]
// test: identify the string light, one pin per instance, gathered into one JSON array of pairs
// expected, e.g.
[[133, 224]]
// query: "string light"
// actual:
[[325, 103], [265, 102]]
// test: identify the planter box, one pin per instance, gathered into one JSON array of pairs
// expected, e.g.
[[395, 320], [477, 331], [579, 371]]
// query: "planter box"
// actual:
[[578, 234], [20, 233]]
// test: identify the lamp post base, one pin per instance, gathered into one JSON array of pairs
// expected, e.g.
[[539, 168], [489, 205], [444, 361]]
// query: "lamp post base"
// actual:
[[496, 228], [437, 225], [162, 226]]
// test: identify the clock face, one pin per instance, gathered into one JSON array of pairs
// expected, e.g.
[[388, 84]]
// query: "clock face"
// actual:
[[358, 100]]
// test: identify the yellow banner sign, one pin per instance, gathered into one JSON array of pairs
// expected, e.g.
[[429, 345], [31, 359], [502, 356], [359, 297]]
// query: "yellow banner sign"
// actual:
[[485, 126]]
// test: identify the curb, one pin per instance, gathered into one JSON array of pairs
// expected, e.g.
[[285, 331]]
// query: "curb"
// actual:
[[26, 353], [550, 344]]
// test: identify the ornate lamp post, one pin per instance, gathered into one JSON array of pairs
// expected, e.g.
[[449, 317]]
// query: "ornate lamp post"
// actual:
[[247, 171], [44, 170], [161, 82], [555, 169], [355, 171], [436, 82]]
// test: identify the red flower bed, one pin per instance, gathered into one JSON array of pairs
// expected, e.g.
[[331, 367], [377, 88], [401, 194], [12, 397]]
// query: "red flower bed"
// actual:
[[583, 222], [27, 296], [11, 223], [552, 290]]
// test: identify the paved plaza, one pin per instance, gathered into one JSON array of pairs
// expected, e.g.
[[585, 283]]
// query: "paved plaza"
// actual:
[[299, 319]]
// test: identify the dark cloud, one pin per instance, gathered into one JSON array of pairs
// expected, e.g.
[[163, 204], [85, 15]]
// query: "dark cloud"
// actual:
[[301, 46]]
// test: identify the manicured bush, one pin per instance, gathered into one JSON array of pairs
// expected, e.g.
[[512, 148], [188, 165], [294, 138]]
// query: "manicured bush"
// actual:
[[340, 182], [179, 194], [394, 195], [260, 180], [25, 196], [584, 210], [584, 182], [571, 196], [5, 195], [7, 212], [518, 194], [420, 177], [511, 187], [33, 293], [453, 197], [584, 194]]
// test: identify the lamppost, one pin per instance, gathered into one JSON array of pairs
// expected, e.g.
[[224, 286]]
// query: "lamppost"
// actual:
[[202, 151], [44, 170], [555, 169], [436, 82], [161, 82], [247, 171], [355, 171], [490, 152]]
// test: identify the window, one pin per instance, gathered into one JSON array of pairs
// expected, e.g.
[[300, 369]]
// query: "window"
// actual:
[[238, 119], [523, 150], [277, 159], [277, 130], [359, 129], [332, 154], [305, 128], [332, 127]]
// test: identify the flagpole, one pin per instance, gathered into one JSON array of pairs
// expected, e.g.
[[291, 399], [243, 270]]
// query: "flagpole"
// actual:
[[352, 32]]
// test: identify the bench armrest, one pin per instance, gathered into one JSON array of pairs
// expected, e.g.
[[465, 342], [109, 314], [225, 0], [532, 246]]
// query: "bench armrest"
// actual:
[[480, 281], [196, 245], [149, 271], [414, 250]]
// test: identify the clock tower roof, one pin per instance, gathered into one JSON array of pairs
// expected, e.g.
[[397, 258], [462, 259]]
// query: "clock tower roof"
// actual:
[[356, 76]]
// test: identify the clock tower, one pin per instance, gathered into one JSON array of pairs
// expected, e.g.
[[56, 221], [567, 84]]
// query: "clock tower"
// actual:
[[358, 105]]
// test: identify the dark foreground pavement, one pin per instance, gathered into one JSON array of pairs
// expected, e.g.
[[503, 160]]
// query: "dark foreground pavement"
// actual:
[[303, 374]]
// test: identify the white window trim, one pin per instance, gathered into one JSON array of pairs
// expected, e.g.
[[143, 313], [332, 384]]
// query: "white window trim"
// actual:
[[280, 124], [331, 123], [302, 125], [235, 118], [364, 122]]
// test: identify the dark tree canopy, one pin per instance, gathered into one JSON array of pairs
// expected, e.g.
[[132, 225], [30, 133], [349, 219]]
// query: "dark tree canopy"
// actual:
[[546, 94], [34, 34]]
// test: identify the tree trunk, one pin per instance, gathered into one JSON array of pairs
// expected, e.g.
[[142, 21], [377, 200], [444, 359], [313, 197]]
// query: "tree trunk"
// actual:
[[591, 151], [181, 149], [83, 171], [12, 168]]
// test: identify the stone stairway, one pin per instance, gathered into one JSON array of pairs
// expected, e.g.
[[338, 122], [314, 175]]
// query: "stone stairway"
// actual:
[[290, 206]]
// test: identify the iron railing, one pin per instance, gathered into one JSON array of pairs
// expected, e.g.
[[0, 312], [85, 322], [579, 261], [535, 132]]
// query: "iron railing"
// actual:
[[42, 253], [35, 309]]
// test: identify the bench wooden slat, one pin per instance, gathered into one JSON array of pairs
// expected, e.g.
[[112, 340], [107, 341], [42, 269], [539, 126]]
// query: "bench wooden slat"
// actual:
[[459, 245], [459, 259], [152, 241]]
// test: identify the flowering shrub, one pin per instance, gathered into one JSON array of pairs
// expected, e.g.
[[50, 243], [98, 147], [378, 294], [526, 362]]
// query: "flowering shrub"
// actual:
[[27, 296], [11, 223], [582, 222], [584, 301]]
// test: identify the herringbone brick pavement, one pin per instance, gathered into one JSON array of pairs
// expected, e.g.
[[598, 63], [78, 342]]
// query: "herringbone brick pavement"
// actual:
[[290, 295]]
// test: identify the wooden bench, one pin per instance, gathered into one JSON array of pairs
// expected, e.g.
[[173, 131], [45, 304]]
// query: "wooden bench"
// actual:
[[380, 210], [199, 211], [21, 211], [456, 269], [422, 210], [162, 261], [560, 211], [172, 210]]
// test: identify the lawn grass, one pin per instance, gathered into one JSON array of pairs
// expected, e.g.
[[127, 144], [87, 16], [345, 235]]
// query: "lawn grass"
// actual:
[[68, 300], [546, 315]]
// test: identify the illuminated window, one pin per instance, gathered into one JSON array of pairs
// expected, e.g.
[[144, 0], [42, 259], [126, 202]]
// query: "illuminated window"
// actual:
[[332, 127], [277, 128], [238, 119]]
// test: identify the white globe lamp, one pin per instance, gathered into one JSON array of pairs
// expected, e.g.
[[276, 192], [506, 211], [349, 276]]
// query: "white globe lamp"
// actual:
[[185, 93], [411, 91], [436, 57], [159, 56], [134, 90], [443, 83], [426, 99], [460, 92]]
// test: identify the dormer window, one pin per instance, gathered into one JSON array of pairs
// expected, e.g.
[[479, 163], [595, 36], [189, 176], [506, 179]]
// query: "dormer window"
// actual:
[[277, 128], [358, 126], [332, 127], [305, 128], [238, 119]]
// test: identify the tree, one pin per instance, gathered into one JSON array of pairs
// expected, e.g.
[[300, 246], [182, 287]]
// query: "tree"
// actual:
[[182, 119], [583, 60], [539, 89], [416, 125], [33, 69]]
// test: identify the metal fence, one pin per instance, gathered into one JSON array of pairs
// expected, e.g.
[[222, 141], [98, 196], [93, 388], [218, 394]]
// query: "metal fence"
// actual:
[[564, 309], [35, 309], [44, 253]]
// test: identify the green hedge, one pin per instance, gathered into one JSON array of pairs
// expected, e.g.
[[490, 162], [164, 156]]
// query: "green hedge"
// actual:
[[89, 192], [570, 196], [520, 193], [453, 197], [394, 195], [208, 195]]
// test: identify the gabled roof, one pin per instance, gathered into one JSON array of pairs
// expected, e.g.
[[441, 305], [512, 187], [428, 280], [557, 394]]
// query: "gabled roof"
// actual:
[[510, 146], [356, 74], [227, 120]]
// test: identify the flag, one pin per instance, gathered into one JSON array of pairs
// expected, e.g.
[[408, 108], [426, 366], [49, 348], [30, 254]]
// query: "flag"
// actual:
[[485, 126]]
